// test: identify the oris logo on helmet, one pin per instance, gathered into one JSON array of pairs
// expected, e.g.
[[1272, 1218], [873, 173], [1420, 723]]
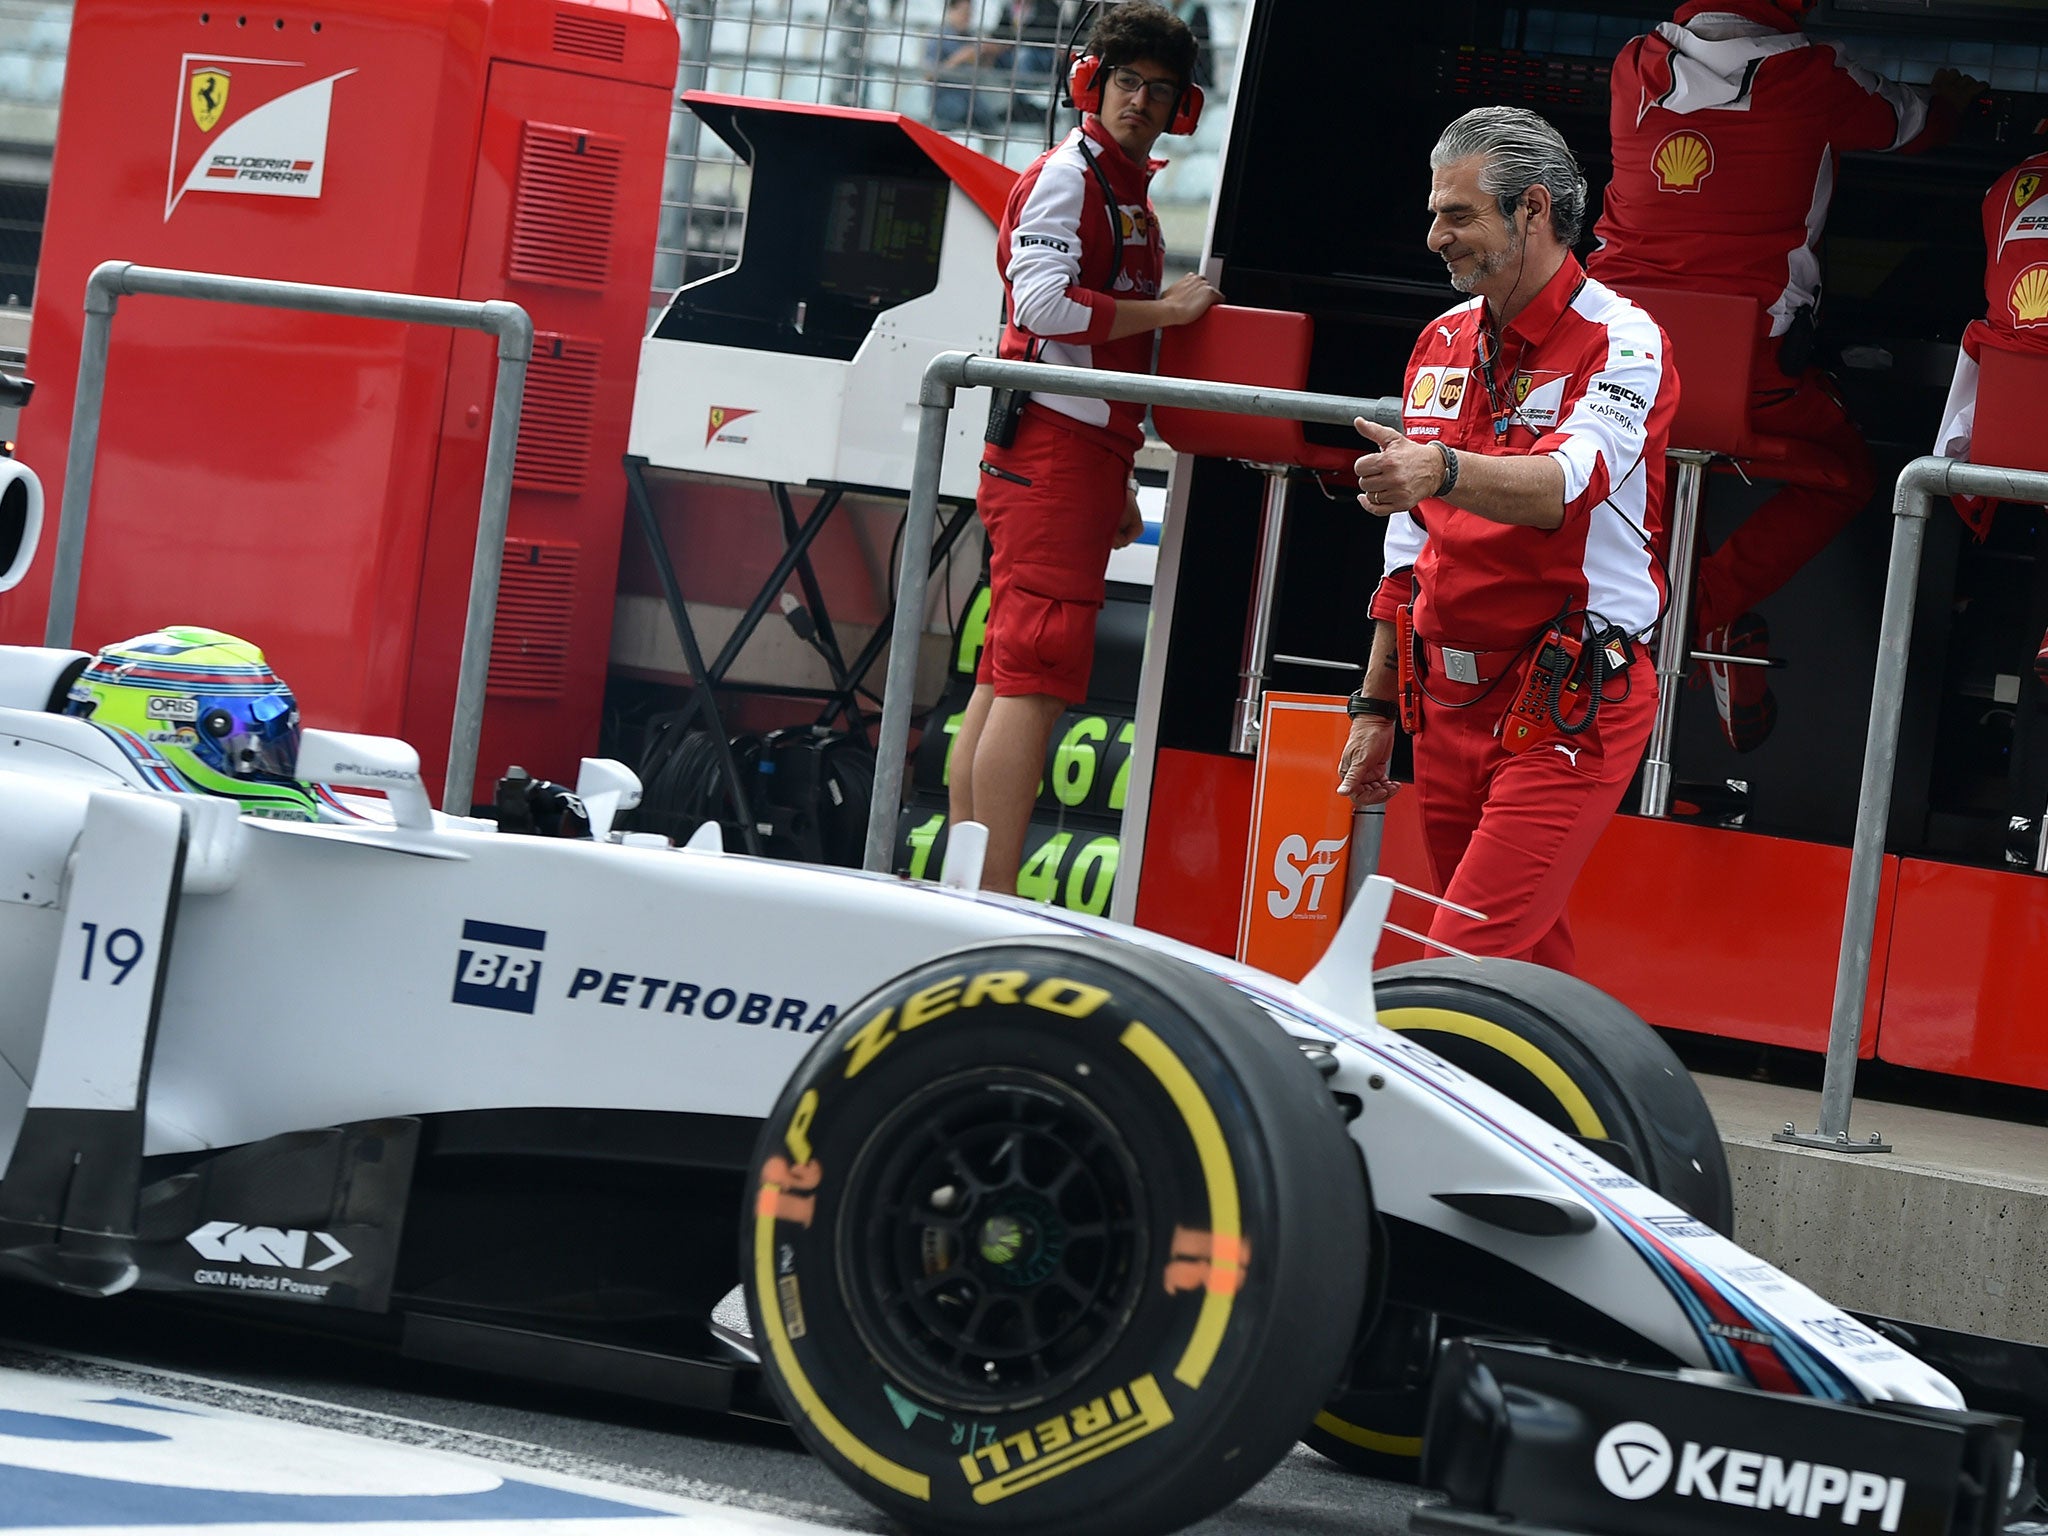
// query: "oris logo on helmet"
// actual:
[[169, 707]]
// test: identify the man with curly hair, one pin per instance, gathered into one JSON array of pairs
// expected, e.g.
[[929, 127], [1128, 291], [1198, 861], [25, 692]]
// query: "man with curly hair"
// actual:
[[1081, 261]]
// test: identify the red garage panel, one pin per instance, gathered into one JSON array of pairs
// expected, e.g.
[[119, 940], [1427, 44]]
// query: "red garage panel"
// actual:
[[1704, 929], [1962, 989], [1194, 848]]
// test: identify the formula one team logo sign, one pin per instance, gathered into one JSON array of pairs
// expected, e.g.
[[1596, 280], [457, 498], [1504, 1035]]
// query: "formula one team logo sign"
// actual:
[[273, 143], [1683, 161], [718, 425], [209, 97], [2024, 189]]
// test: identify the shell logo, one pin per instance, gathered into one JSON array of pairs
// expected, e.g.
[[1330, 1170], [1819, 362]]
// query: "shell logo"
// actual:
[[1683, 161], [2029, 298], [1423, 392]]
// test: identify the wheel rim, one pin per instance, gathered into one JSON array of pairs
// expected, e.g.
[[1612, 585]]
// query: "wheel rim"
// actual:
[[992, 1243]]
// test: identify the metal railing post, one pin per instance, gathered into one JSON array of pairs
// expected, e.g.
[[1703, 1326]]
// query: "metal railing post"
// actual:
[[1919, 483], [944, 376], [507, 321], [1674, 635]]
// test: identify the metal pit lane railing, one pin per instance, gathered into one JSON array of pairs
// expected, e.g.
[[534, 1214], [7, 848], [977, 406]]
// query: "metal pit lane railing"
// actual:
[[1919, 483], [503, 319], [944, 377]]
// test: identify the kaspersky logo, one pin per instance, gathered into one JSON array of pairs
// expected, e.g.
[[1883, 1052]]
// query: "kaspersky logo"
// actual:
[[717, 425], [1634, 1461], [1297, 868]]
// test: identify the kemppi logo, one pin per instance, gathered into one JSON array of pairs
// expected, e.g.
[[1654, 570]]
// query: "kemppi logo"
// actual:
[[1296, 865]]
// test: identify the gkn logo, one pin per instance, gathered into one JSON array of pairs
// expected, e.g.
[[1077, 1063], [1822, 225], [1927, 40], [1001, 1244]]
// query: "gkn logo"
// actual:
[[229, 1242], [498, 966], [1634, 1461], [1296, 865]]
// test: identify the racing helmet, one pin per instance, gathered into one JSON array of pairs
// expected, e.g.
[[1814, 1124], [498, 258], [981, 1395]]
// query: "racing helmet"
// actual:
[[200, 712]]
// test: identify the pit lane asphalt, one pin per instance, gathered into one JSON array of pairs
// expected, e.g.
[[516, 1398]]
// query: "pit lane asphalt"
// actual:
[[615, 1440]]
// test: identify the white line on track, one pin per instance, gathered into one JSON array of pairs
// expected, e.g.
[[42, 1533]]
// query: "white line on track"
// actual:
[[767, 1510]]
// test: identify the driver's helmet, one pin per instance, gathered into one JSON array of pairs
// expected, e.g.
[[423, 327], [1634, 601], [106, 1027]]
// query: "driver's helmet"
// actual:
[[201, 712]]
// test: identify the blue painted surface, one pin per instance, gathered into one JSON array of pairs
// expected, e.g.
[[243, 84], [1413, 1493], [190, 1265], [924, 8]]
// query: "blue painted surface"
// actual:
[[54, 1500], [49, 1426]]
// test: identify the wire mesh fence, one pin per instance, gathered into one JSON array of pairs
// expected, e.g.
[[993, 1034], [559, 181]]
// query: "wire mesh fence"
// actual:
[[986, 72]]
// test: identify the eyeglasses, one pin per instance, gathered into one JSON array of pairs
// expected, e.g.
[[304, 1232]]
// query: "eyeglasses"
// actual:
[[1130, 82]]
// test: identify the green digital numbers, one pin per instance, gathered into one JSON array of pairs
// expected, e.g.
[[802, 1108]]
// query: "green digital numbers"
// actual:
[[1076, 759], [921, 838]]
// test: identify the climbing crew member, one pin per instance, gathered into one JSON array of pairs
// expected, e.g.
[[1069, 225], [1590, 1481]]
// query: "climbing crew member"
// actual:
[[1081, 261], [1523, 499], [1728, 122]]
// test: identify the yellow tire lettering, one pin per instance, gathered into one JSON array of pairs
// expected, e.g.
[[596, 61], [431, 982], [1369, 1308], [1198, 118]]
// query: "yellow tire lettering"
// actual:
[[1073, 999], [798, 1137], [928, 1003], [994, 987], [868, 1041], [1079, 1435]]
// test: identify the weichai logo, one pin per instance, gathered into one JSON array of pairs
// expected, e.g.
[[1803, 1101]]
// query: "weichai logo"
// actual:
[[252, 126]]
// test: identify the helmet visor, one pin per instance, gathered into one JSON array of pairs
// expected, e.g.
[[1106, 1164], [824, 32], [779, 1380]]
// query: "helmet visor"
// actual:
[[257, 736]]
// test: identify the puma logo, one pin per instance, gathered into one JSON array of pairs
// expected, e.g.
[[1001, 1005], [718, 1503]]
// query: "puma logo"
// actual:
[[1445, 332], [1570, 752]]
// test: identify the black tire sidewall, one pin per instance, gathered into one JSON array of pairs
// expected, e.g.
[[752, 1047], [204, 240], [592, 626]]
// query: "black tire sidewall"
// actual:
[[1185, 1446]]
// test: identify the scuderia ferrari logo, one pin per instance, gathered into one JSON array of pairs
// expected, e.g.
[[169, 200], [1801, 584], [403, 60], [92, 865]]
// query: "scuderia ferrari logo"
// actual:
[[1634, 1461], [209, 97]]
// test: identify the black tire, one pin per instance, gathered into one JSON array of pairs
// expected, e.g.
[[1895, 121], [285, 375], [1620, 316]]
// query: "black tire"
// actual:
[[987, 1259], [1583, 1062]]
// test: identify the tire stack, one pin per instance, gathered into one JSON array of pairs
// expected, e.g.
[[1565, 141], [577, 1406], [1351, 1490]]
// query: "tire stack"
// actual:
[[1073, 846]]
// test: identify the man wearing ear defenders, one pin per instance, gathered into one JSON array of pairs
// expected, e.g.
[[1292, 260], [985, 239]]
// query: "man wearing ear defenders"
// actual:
[[1081, 261], [1727, 124], [1523, 498]]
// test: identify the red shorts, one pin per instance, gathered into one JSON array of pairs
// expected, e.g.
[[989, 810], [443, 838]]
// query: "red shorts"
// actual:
[[1050, 530]]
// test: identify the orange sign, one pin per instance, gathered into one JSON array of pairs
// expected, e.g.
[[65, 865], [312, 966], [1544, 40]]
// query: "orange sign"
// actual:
[[1300, 842]]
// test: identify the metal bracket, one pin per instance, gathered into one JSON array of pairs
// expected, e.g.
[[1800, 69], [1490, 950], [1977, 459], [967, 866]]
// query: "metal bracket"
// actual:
[[1821, 1142]]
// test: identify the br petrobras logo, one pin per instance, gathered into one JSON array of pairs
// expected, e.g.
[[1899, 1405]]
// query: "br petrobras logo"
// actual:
[[1633, 1460], [498, 966]]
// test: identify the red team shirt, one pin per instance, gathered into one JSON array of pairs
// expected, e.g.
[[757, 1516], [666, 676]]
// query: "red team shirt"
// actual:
[[1057, 253], [1580, 376], [1725, 151], [2015, 297]]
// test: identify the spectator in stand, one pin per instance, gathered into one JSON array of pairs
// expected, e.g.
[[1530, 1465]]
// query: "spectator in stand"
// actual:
[[2015, 317], [1728, 122], [960, 99]]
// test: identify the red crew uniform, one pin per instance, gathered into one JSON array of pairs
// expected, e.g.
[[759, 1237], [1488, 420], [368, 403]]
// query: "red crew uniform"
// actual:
[[1077, 234], [2016, 305], [1728, 125], [1580, 375]]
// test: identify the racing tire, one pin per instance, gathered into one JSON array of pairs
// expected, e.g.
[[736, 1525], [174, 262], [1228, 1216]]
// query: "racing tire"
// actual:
[[1581, 1061], [1054, 1235]]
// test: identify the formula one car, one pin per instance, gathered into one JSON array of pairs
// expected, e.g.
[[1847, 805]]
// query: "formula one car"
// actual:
[[1042, 1224]]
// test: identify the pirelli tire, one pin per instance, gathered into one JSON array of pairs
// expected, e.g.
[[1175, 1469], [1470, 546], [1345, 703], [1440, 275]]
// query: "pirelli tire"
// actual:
[[1582, 1061], [1057, 1236]]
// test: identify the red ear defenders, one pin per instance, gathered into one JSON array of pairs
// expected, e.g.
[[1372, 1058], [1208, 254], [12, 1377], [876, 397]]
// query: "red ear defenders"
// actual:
[[1085, 84]]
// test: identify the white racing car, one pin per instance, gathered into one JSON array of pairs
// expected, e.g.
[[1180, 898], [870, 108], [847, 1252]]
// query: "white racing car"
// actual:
[[1043, 1225]]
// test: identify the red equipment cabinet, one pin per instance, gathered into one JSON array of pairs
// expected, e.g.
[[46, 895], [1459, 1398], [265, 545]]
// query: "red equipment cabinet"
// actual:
[[312, 482]]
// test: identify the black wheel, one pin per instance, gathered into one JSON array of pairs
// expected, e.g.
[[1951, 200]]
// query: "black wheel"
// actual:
[[1054, 1235], [1584, 1063]]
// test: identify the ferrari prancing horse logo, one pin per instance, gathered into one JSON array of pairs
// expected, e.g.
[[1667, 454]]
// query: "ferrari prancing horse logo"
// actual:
[[209, 97]]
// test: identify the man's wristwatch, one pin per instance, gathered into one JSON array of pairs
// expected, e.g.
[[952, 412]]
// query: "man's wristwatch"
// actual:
[[1380, 709]]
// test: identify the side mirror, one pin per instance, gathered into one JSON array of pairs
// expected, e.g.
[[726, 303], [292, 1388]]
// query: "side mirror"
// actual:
[[369, 762], [21, 520], [606, 787]]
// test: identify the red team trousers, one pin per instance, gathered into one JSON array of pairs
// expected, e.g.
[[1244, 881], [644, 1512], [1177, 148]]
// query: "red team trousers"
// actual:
[[1793, 526], [1511, 831]]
